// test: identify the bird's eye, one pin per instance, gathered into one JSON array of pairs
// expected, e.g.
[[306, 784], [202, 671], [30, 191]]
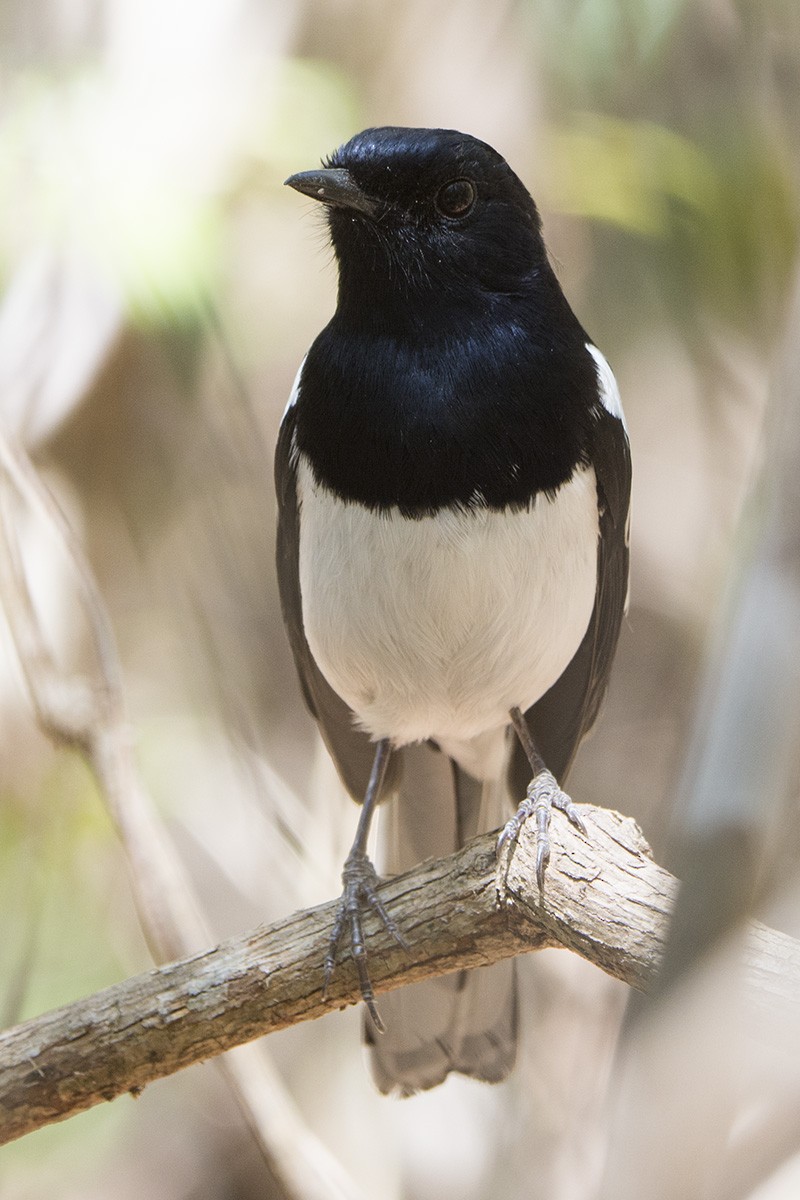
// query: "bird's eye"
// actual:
[[456, 198]]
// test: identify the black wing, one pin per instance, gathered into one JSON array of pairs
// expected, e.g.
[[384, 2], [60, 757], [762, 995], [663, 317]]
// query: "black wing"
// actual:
[[561, 718], [351, 750]]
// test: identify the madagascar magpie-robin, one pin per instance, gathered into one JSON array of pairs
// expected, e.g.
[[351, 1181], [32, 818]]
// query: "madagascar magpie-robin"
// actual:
[[453, 479]]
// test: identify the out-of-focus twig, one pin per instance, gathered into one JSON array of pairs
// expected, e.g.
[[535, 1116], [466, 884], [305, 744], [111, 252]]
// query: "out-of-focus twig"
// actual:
[[605, 898], [739, 794], [89, 715], [740, 775]]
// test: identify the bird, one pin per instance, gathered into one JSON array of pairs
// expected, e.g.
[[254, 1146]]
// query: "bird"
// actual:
[[453, 478]]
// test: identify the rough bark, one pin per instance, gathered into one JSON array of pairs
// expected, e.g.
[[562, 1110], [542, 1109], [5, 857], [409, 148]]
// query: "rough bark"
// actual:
[[605, 899]]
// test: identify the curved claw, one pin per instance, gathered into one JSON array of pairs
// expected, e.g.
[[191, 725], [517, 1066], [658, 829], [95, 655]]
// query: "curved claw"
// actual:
[[543, 795], [360, 881]]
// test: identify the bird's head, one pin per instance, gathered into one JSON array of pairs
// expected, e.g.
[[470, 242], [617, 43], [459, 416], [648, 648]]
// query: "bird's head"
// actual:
[[425, 212]]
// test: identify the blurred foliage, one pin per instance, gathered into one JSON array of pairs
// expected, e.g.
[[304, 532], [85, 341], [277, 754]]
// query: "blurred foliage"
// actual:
[[81, 166], [150, 141], [90, 182], [60, 893], [675, 124], [68, 931], [629, 174], [38, 1164], [722, 224], [83, 162], [602, 45], [314, 106]]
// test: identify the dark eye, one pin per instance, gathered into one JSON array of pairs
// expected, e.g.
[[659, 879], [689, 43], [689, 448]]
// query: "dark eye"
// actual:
[[455, 199]]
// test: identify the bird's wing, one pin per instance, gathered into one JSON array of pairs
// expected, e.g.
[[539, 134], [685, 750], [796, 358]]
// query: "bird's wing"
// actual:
[[351, 750], [559, 720]]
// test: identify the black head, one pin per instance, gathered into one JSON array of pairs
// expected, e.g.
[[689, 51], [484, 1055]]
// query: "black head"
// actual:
[[453, 371], [426, 211]]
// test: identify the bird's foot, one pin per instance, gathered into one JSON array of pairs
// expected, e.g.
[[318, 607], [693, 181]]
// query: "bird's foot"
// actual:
[[542, 796], [360, 880]]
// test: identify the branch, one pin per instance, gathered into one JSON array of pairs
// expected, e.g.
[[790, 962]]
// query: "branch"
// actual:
[[88, 714], [605, 899]]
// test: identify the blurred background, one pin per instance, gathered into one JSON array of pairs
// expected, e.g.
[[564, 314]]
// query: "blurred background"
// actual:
[[159, 288]]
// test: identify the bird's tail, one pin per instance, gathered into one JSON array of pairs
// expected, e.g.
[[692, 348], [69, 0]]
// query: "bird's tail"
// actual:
[[466, 1022]]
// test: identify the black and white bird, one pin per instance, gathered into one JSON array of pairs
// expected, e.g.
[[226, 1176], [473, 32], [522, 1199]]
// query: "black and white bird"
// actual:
[[453, 478]]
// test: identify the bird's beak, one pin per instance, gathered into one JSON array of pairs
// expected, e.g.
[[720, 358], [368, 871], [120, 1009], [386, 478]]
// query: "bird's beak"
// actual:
[[335, 186]]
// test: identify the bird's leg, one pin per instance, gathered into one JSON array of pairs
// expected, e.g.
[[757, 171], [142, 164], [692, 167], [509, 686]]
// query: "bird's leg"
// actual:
[[360, 882], [542, 796]]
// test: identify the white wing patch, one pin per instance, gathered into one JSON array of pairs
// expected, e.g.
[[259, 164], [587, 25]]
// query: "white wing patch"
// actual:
[[609, 392], [295, 392]]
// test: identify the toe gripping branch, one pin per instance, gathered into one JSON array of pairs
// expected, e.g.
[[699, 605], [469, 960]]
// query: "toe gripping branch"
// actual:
[[360, 880], [542, 796], [359, 891]]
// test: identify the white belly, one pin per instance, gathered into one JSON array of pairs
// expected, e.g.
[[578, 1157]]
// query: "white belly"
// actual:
[[435, 628]]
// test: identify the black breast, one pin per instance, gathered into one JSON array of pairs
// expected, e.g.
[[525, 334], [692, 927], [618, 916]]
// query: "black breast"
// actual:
[[486, 411]]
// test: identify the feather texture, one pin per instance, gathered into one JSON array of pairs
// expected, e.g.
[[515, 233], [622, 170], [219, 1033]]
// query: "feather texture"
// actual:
[[453, 479]]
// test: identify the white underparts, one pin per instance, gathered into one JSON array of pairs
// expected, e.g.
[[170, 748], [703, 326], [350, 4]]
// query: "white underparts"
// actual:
[[436, 627]]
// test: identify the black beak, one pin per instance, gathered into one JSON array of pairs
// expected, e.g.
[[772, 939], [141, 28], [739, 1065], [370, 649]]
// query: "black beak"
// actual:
[[333, 185]]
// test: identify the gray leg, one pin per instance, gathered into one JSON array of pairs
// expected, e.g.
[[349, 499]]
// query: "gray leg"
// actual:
[[360, 881], [543, 795]]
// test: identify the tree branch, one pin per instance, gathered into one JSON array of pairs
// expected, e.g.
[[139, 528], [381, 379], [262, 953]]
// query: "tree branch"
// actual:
[[88, 714], [605, 899]]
